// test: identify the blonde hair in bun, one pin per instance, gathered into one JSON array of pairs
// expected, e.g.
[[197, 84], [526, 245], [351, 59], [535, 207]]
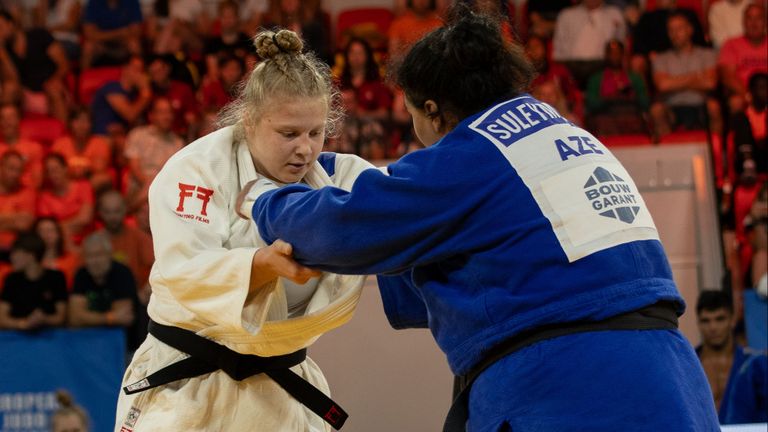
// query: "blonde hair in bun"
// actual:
[[284, 71], [269, 45]]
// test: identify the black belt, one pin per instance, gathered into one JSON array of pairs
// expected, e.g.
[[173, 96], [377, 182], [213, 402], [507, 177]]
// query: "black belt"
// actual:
[[659, 316], [206, 356]]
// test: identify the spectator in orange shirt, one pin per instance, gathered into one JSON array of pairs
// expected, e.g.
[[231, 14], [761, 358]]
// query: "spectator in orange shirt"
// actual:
[[10, 139], [88, 156], [58, 255], [17, 202], [130, 245], [68, 201], [418, 19]]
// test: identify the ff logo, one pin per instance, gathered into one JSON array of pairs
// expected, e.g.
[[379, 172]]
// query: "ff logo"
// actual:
[[611, 196], [203, 194]]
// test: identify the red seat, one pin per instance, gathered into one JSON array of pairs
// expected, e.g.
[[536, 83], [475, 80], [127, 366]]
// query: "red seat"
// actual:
[[371, 24], [625, 140], [92, 79], [42, 129]]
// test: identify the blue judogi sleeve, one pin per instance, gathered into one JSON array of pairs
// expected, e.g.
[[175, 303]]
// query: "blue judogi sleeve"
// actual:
[[403, 304], [387, 223], [739, 357]]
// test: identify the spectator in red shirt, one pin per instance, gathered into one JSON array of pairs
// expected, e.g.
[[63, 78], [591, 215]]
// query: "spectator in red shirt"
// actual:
[[562, 82], [750, 129], [180, 94], [217, 93], [742, 56], [371, 98], [361, 74], [68, 201]]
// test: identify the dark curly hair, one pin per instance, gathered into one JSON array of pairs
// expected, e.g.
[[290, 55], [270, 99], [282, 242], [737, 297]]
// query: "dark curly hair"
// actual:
[[464, 67]]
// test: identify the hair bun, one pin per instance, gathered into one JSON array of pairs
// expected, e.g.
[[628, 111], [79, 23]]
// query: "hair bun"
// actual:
[[474, 42], [64, 399], [270, 44]]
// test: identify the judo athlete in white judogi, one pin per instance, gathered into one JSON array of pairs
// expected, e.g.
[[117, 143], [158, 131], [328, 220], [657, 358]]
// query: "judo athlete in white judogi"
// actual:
[[217, 300]]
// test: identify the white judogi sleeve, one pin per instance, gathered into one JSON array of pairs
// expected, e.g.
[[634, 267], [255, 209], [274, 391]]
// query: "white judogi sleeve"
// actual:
[[347, 168], [190, 221]]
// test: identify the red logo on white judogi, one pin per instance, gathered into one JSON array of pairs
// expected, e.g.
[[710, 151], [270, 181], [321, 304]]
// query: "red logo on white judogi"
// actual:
[[201, 193]]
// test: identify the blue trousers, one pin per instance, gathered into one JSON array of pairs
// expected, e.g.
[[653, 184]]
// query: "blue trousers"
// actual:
[[607, 381]]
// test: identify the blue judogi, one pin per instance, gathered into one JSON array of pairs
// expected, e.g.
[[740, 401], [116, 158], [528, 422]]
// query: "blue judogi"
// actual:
[[514, 220], [748, 397], [745, 399]]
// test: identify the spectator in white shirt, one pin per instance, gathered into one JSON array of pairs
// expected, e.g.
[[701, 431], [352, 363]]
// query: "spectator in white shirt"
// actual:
[[725, 20], [581, 33]]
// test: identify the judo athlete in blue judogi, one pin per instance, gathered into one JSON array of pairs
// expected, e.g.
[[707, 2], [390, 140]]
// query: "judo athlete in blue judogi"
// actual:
[[519, 240]]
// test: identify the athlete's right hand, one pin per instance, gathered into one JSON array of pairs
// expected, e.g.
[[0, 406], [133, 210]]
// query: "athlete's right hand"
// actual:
[[277, 260]]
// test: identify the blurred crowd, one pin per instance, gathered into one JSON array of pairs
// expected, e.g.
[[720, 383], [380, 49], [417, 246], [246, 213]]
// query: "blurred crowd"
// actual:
[[95, 96]]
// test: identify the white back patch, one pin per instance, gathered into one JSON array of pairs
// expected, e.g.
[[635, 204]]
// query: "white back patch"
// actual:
[[580, 187]]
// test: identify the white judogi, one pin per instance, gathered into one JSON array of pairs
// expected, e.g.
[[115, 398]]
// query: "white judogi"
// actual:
[[200, 281]]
